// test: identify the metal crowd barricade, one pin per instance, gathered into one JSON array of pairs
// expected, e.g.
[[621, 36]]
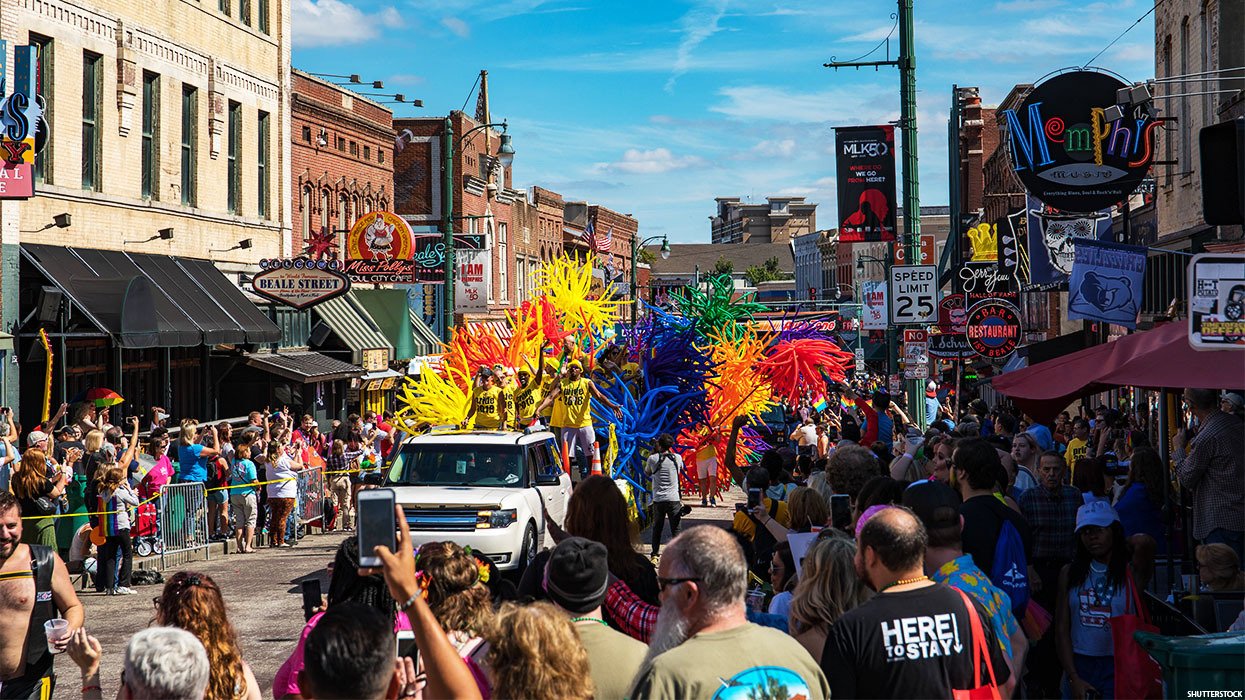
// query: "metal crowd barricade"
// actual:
[[183, 523], [311, 496]]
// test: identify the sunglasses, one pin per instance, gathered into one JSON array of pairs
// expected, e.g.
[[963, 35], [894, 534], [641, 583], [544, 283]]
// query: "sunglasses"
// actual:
[[663, 583]]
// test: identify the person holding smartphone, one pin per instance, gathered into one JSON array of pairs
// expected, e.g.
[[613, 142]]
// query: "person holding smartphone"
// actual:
[[282, 493]]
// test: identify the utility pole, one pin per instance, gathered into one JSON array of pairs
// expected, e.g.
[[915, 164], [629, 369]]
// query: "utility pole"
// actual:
[[906, 63], [447, 227]]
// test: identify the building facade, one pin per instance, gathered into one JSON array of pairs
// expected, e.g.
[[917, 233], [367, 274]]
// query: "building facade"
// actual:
[[806, 250], [777, 220], [168, 136], [342, 153]]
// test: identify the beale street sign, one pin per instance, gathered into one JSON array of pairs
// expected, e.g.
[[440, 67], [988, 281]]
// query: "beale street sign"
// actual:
[[300, 282]]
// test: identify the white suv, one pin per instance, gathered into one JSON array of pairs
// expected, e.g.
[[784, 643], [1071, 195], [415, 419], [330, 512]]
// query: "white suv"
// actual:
[[482, 489]]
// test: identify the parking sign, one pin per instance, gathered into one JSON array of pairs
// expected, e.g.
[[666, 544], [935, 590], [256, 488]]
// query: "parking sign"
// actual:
[[914, 294]]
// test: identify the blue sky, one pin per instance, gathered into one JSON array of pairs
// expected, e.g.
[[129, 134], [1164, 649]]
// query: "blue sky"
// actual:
[[655, 108]]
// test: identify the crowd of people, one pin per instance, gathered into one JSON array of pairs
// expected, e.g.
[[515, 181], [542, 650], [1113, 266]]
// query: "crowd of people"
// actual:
[[872, 558]]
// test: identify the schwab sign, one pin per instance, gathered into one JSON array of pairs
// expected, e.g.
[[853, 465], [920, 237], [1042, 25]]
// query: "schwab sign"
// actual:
[[299, 282], [1066, 152]]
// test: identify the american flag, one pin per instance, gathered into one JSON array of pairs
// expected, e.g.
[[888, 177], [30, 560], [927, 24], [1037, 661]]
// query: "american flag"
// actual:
[[601, 244]]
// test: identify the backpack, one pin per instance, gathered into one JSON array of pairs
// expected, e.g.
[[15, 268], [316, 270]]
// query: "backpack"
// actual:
[[1010, 571], [218, 472]]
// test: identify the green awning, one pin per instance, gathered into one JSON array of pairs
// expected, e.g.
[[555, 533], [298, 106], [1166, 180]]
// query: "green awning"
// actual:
[[352, 323], [426, 341], [393, 315]]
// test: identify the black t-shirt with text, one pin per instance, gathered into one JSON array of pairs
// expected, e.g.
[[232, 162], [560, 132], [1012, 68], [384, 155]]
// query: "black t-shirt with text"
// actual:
[[908, 644], [983, 518]]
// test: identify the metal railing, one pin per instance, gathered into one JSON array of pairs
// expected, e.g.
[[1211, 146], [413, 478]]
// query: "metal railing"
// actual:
[[310, 506], [183, 523]]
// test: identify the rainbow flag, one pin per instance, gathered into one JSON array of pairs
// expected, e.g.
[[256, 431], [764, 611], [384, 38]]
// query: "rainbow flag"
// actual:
[[821, 404], [846, 403]]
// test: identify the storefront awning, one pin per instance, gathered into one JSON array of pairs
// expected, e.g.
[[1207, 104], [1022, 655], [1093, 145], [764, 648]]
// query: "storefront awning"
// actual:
[[388, 307], [353, 325], [426, 342], [146, 301], [305, 367], [501, 329]]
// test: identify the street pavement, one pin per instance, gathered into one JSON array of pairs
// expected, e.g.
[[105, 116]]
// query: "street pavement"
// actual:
[[263, 596]]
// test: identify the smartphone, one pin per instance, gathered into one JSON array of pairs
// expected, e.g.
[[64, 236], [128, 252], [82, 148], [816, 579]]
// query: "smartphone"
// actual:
[[841, 511], [754, 498], [741, 508], [377, 524], [312, 596], [406, 646]]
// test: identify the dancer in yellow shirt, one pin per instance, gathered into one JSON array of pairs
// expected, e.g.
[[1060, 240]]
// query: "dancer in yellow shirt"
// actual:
[[572, 409], [488, 405]]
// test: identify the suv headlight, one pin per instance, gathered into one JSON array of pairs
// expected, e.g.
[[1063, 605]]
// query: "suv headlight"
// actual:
[[487, 519]]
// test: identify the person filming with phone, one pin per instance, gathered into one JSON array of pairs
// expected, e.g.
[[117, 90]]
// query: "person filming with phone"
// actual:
[[749, 528]]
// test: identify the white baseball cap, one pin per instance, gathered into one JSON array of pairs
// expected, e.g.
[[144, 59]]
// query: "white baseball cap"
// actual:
[[35, 437]]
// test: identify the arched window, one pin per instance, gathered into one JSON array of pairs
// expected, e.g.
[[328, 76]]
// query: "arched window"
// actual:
[[1168, 135], [382, 204], [1186, 128], [343, 210], [354, 209], [368, 205], [326, 210], [305, 206]]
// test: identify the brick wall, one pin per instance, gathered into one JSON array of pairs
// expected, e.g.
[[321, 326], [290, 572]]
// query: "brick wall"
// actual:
[[352, 172]]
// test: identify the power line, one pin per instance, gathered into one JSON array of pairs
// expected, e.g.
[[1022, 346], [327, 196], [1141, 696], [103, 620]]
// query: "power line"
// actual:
[[1121, 36], [470, 93]]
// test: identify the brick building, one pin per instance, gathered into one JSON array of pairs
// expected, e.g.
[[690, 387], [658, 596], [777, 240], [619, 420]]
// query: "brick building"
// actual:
[[342, 148], [168, 145], [777, 220]]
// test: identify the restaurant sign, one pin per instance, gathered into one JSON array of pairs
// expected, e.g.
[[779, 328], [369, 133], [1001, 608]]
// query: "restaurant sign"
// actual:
[[380, 249], [299, 282]]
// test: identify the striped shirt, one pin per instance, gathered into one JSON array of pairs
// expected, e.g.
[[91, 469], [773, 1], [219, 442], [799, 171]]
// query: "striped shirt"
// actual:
[[1214, 470]]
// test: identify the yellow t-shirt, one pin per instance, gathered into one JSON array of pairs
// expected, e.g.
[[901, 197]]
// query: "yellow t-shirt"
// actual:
[[546, 386], [527, 399], [1076, 450], [488, 408], [744, 525], [574, 399]]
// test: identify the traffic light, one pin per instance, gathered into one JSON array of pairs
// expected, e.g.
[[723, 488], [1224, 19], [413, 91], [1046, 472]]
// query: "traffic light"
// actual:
[[1223, 172]]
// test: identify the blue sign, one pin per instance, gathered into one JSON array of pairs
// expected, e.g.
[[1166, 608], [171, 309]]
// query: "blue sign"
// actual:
[[1106, 282], [1052, 234]]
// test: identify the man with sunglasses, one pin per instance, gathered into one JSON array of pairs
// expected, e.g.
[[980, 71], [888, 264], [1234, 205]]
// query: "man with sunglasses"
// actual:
[[703, 641]]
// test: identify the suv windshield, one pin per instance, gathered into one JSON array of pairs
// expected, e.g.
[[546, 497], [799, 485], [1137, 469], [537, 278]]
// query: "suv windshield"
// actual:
[[458, 465]]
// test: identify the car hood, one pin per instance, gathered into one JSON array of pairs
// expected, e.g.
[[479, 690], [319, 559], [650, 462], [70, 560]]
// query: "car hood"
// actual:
[[453, 496]]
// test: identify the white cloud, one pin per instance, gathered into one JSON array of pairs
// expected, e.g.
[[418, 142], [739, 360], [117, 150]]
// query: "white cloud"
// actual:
[[457, 26], [335, 23], [698, 25], [651, 162], [858, 104], [782, 148]]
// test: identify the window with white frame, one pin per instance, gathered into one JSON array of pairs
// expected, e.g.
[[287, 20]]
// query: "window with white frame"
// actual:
[[503, 260]]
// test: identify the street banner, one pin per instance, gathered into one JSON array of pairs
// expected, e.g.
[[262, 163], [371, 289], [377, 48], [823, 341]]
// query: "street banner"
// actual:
[[1051, 237], [865, 167], [875, 316], [914, 292], [472, 280], [1067, 153], [299, 282], [1106, 282], [380, 249], [993, 329], [1217, 302]]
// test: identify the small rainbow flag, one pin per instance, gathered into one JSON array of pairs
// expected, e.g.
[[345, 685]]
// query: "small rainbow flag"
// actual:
[[846, 403], [821, 404]]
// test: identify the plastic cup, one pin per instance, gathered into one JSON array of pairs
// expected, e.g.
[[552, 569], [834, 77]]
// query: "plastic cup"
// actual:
[[756, 599], [56, 630]]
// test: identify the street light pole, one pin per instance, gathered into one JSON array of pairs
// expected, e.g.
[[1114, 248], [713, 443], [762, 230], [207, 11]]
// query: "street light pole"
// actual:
[[911, 194], [636, 245]]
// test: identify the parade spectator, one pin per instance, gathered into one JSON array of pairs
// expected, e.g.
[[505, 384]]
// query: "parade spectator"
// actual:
[[36, 589], [39, 496], [884, 648], [349, 654], [243, 498], [224, 437], [805, 436], [159, 662], [1092, 589], [577, 578], [217, 486], [703, 639], [1232, 403], [746, 522], [338, 471], [527, 638], [192, 457], [1025, 452], [192, 601], [849, 468], [116, 498], [940, 461], [1078, 444], [1141, 503], [782, 579], [1063, 429], [664, 468], [1090, 478], [597, 511], [808, 509], [937, 505], [282, 475], [975, 465], [1219, 569], [878, 425], [1005, 426], [825, 443], [460, 601], [1214, 470], [1050, 509], [828, 588], [162, 471]]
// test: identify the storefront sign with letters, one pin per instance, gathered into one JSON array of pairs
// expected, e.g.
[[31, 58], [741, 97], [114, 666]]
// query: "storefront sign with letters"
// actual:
[[299, 282]]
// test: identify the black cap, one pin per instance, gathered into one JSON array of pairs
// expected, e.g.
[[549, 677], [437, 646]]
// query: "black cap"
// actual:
[[935, 503], [577, 575]]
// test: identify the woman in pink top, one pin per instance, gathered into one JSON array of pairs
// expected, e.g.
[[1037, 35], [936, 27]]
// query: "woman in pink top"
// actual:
[[162, 471]]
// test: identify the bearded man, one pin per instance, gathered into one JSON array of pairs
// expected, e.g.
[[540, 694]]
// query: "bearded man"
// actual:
[[703, 642]]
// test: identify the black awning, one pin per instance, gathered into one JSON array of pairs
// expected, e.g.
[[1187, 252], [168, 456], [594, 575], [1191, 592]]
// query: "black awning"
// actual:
[[146, 301], [256, 326], [305, 367], [1055, 347]]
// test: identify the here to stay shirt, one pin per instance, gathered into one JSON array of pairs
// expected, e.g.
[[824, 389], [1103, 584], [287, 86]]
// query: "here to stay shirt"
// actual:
[[908, 644]]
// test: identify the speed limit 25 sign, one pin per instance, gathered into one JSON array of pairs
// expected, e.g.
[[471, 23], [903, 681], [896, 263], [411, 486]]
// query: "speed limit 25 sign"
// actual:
[[914, 294]]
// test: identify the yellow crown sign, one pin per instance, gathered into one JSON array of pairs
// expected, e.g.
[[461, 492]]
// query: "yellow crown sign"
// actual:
[[984, 239]]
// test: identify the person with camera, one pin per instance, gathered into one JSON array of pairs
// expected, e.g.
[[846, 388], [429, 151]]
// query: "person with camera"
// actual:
[[664, 467]]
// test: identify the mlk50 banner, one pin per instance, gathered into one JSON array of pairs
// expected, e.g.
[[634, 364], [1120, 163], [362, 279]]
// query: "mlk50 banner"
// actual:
[[865, 160], [1106, 282]]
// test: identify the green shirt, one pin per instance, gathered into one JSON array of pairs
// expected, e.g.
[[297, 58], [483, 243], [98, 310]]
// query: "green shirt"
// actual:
[[745, 661], [613, 658]]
